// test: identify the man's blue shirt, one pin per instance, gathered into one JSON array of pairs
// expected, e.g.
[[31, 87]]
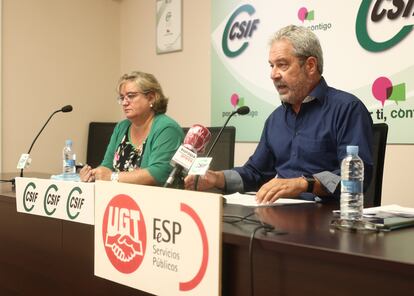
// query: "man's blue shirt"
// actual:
[[312, 142]]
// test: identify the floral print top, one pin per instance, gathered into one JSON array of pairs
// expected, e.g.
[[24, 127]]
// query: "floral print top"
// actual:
[[127, 157]]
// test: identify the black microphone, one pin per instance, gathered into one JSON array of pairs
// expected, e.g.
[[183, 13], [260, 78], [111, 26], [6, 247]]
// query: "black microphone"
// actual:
[[243, 110], [65, 109]]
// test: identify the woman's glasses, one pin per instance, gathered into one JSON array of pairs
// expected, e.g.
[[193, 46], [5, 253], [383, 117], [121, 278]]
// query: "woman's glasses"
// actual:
[[129, 96]]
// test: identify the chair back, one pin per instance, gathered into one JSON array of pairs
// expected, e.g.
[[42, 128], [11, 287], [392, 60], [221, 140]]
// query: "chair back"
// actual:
[[99, 135], [223, 153], [372, 196]]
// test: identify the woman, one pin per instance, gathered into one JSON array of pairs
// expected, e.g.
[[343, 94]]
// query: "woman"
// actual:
[[142, 145]]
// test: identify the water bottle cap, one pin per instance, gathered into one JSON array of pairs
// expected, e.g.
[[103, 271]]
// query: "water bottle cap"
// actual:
[[352, 150], [68, 142]]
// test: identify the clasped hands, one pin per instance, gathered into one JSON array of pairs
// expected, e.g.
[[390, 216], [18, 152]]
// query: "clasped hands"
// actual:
[[88, 174]]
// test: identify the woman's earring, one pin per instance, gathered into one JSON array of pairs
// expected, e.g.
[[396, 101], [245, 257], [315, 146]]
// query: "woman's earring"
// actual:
[[151, 105]]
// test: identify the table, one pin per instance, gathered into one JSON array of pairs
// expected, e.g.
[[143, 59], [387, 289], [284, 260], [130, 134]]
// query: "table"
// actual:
[[313, 259], [44, 256]]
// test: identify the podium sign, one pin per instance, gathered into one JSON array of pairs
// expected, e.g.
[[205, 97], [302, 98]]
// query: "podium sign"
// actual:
[[67, 200], [158, 240]]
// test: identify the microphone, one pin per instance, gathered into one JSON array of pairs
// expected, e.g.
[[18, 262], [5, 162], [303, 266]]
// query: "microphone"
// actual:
[[243, 110], [67, 108], [194, 142], [22, 163]]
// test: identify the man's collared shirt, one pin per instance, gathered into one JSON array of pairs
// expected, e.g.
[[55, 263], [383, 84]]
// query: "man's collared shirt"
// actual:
[[312, 142]]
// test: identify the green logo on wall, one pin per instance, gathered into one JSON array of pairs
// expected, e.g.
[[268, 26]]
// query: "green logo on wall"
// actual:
[[378, 13], [238, 30]]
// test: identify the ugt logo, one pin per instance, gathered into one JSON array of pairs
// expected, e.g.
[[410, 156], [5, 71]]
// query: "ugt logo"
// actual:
[[124, 233]]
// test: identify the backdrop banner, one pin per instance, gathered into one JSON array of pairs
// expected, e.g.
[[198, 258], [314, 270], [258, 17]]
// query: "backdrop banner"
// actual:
[[366, 46]]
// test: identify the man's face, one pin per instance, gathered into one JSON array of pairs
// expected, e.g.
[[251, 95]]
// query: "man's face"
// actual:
[[289, 75]]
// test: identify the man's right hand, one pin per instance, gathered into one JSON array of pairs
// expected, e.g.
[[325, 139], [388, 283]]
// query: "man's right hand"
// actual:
[[210, 180]]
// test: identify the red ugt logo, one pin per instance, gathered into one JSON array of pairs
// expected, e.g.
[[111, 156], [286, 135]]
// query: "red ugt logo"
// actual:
[[124, 233]]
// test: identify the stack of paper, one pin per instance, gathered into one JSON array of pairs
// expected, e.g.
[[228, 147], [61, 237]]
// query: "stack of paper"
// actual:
[[390, 217], [249, 200], [391, 211]]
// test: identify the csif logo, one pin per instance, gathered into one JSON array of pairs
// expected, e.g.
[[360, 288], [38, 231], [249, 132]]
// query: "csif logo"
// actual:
[[383, 90], [124, 233], [379, 14], [30, 196], [304, 14], [74, 203], [51, 200], [239, 30]]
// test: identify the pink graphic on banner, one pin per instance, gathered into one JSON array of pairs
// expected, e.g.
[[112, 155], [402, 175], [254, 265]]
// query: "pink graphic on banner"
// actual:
[[302, 13], [382, 89], [234, 100]]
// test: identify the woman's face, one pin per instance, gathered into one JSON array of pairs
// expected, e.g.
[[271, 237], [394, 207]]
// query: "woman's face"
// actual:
[[135, 103]]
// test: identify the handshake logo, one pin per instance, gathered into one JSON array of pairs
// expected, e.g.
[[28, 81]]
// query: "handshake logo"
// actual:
[[124, 247], [124, 234]]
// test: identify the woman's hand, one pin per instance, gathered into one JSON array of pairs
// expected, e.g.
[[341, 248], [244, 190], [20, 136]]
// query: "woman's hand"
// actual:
[[102, 173], [86, 174]]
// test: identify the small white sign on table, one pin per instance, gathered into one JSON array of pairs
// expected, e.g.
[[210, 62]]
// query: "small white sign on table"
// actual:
[[159, 240], [67, 200]]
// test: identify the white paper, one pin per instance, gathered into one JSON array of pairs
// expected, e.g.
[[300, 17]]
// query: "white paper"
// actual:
[[392, 210], [249, 200], [200, 166]]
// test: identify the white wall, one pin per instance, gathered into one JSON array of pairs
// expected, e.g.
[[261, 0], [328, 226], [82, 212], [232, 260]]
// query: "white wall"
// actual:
[[56, 52]]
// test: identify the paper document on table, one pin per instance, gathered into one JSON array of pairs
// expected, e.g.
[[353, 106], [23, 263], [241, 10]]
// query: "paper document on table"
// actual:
[[249, 200], [390, 211], [390, 217]]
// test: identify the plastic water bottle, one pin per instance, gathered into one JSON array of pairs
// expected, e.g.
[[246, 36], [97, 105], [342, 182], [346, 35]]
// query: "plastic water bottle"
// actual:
[[69, 159], [352, 182]]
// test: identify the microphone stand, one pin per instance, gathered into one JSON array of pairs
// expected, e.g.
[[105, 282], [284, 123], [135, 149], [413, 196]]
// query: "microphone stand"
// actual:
[[65, 109], [215, 142], [219, 134], [34, 141]]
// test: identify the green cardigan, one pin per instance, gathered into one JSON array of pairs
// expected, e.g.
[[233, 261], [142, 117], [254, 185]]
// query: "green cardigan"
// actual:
[[163, 140]]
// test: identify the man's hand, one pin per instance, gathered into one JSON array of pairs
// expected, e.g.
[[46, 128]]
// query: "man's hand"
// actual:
[[277, 188], [210, 180]]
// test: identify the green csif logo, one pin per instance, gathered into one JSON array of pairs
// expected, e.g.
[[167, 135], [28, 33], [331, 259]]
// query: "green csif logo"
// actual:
[[30, 197], [51, 200], [378, 13], [75, 203], [238, 30]]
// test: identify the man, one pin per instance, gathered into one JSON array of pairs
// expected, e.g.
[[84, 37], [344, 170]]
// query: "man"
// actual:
[[304, 140]]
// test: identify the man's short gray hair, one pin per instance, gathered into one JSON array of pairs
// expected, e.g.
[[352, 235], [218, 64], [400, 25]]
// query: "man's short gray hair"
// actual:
[[305, 43]]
